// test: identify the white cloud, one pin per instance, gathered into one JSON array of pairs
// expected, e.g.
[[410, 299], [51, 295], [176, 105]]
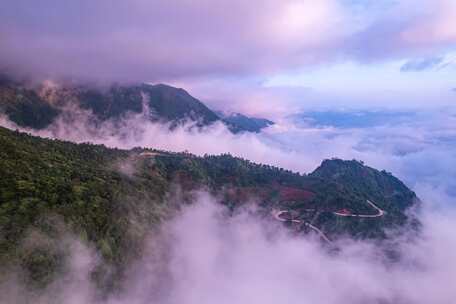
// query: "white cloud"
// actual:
[[247, 259], [204, 256]]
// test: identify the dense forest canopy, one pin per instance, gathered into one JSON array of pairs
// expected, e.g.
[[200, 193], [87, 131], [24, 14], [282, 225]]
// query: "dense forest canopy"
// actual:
[[52, 187]]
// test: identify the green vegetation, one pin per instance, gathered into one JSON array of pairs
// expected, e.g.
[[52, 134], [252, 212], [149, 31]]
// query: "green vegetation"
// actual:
[[238, 122], [37, 107], [166, 103], [112, 198], [25, 107], [79, 185], [176, 105]]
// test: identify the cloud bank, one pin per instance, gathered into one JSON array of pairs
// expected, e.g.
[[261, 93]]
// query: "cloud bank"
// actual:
[[168, 40], [248, 259], [405, 145]]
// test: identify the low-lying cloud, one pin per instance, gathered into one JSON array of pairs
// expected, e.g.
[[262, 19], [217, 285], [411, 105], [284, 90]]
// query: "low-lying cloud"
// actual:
[[205, 256], [405, 147]]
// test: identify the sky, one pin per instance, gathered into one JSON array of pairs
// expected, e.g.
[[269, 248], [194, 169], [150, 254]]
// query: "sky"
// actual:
[[257, 57]]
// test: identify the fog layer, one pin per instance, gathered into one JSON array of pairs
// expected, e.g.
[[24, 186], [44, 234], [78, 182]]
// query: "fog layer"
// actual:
[[205, 256]]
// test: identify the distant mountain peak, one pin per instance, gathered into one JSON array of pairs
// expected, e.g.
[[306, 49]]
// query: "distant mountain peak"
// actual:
[[244, 122]]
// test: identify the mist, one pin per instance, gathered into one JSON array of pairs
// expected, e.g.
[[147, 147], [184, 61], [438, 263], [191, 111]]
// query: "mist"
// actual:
[[206, 255], [405, 148], [273, 59]]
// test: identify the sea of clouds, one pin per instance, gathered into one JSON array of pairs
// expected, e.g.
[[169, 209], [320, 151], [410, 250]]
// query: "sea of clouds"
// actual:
[[205, 256], [420, 150]]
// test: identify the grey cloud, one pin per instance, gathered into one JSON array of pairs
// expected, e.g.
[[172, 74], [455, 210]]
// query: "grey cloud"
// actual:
[[142, 40], [168, 40]]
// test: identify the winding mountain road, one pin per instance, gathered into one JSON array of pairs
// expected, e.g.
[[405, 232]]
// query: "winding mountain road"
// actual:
[[277, 215], [380, 212]]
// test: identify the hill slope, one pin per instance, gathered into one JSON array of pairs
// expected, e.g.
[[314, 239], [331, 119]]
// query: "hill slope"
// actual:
[[241, 122], [25, 107], [37, 107], [111, 198]]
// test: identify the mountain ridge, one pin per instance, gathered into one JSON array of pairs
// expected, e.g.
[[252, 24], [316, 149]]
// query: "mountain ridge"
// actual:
[[243, 122], [38, 106], [98, 192]]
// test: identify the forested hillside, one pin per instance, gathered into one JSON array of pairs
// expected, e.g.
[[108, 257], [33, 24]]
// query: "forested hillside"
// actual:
[[37, 106], [112, 198]]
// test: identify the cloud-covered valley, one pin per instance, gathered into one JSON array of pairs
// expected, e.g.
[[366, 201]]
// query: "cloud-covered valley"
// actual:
[[204, 256], [371, 80], [419, 147], [248, 258]]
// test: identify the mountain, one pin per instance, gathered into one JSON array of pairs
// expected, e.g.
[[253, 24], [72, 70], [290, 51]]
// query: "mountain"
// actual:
[[38, 106], [25, 107], [112, 198], [239, 122], [380, 186]]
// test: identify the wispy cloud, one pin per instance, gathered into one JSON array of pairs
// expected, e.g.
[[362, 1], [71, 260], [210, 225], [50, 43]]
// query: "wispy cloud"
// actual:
[[421, 64], [247, 258], [403, 145]]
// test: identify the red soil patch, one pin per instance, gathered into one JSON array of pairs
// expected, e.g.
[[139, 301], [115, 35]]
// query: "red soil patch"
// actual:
[[344, 211], [295, 194], [248, 193]]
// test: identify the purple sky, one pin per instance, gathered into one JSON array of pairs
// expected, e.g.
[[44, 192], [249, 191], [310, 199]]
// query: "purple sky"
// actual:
[[249, 50]]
